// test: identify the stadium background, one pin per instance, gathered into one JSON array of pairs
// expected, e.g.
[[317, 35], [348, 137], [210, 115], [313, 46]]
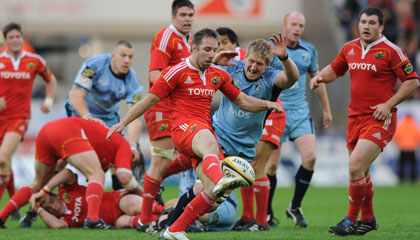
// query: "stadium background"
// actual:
[[66, 32]]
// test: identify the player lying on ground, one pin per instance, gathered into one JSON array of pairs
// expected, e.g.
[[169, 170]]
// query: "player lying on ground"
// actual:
[[83, 144], [69, 207]]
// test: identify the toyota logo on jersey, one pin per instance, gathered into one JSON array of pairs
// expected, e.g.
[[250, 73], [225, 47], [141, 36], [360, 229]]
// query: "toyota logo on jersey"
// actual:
[[362, 66]]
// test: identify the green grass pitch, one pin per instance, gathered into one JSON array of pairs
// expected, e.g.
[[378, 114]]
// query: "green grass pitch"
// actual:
[[397, 210]]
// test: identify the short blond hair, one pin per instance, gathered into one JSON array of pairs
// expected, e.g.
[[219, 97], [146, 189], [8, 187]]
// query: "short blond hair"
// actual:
[[260, 49]]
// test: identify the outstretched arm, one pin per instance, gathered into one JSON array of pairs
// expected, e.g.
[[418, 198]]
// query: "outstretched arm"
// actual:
[[290, 73], [77, 101], [252, 104], [135, 112], [325, 76]]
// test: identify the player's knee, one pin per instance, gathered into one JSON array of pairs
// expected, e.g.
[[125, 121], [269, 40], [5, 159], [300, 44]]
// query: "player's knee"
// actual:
[[271, 168], [355, 171]]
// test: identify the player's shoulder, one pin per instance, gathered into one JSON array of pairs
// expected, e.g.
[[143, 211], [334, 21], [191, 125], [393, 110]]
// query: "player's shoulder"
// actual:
[[306, 44], [222, 72], [354, 42], [99, 59], [393, 48], [34, 56], [175, 71]]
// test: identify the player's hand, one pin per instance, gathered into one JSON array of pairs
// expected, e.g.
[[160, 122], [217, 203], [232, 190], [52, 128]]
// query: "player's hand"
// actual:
[[382, 111], [98, 120], [327, 119], [315, 81], [136, 156], [280, 47], [274, 107], [36, 199], [2, 103], [119, 127], [222, 58], [44, 108]]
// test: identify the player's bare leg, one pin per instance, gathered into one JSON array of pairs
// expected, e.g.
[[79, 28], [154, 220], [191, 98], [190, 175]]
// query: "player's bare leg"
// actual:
[[360, 161], [8, 147], [43, 173], [162, 154], [89, 165], [262, 189]]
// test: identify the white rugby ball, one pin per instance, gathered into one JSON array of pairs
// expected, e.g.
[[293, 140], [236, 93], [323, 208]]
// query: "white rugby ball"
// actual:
[[234, 166]]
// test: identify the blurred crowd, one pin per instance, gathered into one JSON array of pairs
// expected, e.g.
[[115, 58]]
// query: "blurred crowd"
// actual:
[[402, 23]]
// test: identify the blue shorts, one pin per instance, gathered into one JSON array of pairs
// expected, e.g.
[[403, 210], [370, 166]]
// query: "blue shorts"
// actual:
[[298, 123], [187, 180], [224, 217], [232, 148]]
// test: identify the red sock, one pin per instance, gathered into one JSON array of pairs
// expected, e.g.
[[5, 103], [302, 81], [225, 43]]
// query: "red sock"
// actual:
[[133, 221], [19, 199], [150, 189], [262, 190], [357, 193], [200, 205], [11, 186], [157, 209], [247, 194], [179, 164], [367, 205], [211, 168], [94, 193]]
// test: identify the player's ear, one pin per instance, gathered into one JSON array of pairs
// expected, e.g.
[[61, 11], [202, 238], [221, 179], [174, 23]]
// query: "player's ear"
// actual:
[[381, 28]]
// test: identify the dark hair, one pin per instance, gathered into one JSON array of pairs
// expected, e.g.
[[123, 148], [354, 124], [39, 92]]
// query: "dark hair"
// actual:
[[181, 3], [203, 33], [125, 43], [233, 38], [11, 26], [373, 11]]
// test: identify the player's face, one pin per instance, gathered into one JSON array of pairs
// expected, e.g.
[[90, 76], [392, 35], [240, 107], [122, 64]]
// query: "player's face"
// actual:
[[293, 27], [226, 44], [14, 41], [369, 28], [205, 52], [54, 205], [183, 19], [122, 58], [254, 66]]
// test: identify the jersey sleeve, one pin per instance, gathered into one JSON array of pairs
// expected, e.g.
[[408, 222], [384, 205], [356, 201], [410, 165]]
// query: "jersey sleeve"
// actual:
[[270, 74], [228, 88], [85, 77], [135, 89], [314, 60], [339, 65], [166, 83], [43, 69], [160, 53], [401, 65]]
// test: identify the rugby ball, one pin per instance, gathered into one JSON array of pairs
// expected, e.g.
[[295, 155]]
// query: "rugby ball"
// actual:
[[234, 166]]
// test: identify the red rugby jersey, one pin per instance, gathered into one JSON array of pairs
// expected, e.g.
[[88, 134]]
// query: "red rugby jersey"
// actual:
[[16, 81], [373, 72], [169, 47], [76, 212], [191, 91]]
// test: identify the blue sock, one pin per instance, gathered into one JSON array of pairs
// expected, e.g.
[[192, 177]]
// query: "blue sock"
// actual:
[[302, 180], [183, 201], [273, 184]]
